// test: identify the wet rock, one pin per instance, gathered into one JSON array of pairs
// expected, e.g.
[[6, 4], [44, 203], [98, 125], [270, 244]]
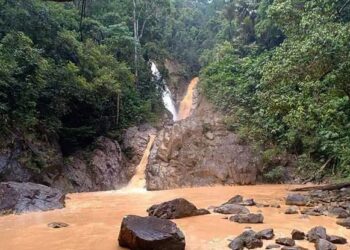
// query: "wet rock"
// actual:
[[266, 234], [248, 218], [337, 239], [296, 199], [275, 205], [235, 200], [285, 241], [247, 239], [316, 233], [292, 210], [231, 209], [344, 223], [175, 209], [150, 233], [322, 244], [293, 248], [182, 156], [314, 211], [29, 197], [338, 212], [248, 203], [272, 246], [298, 235], [103, 168], [57, 225]]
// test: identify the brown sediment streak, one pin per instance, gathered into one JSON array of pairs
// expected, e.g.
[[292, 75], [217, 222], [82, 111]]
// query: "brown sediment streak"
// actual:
[[95, 218], [186, 103], [139, 180]]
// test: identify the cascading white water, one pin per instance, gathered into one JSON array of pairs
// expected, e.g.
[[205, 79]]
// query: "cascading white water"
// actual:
[[166, 95]]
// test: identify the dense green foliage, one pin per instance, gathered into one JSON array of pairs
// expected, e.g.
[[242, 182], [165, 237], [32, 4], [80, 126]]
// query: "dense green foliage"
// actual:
[[283, 80], [71, 78]]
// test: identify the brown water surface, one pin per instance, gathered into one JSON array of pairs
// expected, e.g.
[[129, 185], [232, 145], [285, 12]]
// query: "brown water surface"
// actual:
[[95, 218]]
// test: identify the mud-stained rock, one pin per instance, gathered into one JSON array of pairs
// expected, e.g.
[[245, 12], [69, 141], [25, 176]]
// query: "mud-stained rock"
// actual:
[[134, 142], [175, 209], [344, 222], [316, 233], [150, 233], [298, 235], [248, 203], [285, 241], [338, 212], [231, 209], [248, 218], [29, 197], [292, 210], [296, 199], [266, 234], [273, 246], [314, 211], [337, 239], [235, 200], [57, 225], [183, 156], [247, 239], [322, 244], [104, 168]]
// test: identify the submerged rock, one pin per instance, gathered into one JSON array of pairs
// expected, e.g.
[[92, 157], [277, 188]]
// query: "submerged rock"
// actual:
[[272, 246], [292, 210], [248, 218], [231, 209], [29, 197], [296, 199], [150, 233], [175, 209], [285, 241], [344, 223], [337, 239], [316, 233], [322, 244], [298, 235], [57, 225], [247, 239], [266, 234], [235, 200]]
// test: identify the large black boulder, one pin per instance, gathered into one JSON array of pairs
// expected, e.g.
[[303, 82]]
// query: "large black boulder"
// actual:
[[29, 197], [150, 233], [175, 209]]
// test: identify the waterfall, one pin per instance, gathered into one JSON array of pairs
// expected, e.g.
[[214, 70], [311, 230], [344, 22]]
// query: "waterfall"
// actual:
[[166, 95]]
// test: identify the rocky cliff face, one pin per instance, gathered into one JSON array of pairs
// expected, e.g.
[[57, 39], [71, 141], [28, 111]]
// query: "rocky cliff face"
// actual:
[[105, 166], [199, 151]]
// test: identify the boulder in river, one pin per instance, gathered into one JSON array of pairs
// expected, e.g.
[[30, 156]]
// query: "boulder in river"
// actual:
[[175, 209], [296, 199], [266, 234], [316, 233], [57, 225], [322, 244], [231, 209], [235, 200], [298, 235], [247, 239], [150, 233], [292, 210], [248, 218], [344, 223], [337, 239], [29, 197], [285, 241]]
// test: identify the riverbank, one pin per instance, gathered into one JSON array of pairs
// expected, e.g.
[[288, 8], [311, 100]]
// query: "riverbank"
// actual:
[[94, 219]]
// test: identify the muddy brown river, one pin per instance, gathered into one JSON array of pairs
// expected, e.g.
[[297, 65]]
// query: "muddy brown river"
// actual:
[[95, 218]]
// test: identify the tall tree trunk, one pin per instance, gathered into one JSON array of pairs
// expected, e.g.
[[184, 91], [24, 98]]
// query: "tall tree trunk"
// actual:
[[136, 42]]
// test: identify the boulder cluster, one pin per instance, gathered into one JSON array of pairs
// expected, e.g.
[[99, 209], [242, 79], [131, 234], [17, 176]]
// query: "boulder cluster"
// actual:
[[156, 231]]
